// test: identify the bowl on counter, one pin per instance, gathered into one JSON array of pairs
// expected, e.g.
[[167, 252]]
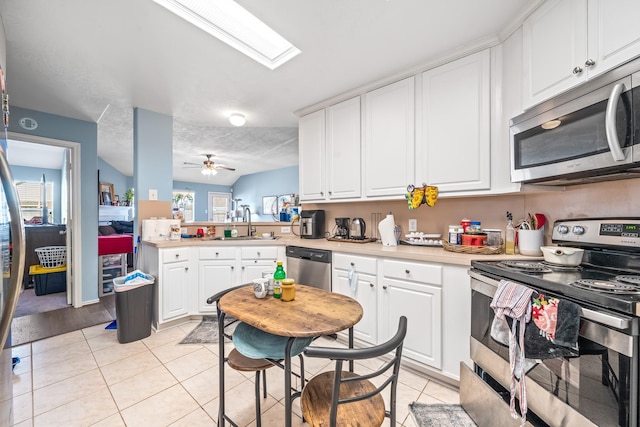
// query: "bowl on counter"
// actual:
[[565, 256]]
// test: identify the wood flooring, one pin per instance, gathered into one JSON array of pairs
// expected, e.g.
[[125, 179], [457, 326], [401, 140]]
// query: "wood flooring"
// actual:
[[38, 326]]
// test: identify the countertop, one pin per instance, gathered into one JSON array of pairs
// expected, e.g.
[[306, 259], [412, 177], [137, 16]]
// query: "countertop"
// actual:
[[407, 252]]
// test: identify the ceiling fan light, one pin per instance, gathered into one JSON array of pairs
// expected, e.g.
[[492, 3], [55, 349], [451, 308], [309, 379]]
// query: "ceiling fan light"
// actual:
[[208, 171], [237, 119]]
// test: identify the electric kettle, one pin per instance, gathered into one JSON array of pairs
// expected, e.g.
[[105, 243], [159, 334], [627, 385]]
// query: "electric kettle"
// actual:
[[358, 228]]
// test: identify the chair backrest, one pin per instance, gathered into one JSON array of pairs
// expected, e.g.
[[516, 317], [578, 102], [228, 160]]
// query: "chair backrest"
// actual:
[[341, 355]]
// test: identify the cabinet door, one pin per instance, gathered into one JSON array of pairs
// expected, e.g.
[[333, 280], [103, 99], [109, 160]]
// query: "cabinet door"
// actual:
[[175, 290], [614, 33], [388, 145], [311, 136], [453, 150], [253, 269], [213, 277], [554, 45], [366, 294], [343, 149], [421, 304]]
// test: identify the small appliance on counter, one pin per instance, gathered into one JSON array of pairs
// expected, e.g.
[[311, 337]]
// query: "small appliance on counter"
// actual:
[[312, 224], [358, 228], [154, 230], [387, 231], [342, 228]]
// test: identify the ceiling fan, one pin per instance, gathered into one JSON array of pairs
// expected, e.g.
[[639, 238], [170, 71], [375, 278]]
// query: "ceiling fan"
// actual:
[[208, 166]]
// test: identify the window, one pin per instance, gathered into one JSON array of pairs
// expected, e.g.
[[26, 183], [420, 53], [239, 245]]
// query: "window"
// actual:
[[183, 205], [30, 194], [219, 206]]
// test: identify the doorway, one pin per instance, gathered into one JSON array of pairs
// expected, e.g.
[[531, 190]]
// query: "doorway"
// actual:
[[59, 222]]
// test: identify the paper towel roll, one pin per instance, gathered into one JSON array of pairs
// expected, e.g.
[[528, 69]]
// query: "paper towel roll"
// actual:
[[386, 227]]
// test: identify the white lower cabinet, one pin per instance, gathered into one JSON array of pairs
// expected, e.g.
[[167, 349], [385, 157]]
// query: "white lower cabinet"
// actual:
[[413, 290], [363, 287], [174, 283], [257, 260], [216, 272]]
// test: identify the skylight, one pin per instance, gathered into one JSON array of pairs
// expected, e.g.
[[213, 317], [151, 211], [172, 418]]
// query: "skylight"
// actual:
[[234, 25]]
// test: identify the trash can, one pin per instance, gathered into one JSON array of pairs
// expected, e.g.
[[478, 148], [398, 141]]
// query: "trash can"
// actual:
[[134, 305]]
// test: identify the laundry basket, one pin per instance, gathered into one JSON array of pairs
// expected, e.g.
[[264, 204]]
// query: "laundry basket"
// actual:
[[52, 256]]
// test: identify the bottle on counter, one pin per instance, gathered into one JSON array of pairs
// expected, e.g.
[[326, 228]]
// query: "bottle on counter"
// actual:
[[278, 277], [510, 236], [234, 231]]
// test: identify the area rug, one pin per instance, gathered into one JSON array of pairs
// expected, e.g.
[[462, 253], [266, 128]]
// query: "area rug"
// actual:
[[440, 415], [30, 303], [206, 332]]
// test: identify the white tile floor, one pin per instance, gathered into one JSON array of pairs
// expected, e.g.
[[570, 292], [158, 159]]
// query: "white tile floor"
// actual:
[[86, 378]]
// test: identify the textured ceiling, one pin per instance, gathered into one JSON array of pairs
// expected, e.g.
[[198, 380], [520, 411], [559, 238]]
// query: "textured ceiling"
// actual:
[[97, 60]]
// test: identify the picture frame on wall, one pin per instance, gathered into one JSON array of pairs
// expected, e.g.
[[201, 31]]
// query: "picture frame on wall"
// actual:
[[105, 193], [106, 198]]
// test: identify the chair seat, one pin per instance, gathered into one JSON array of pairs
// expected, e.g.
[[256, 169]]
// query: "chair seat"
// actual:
[[257, 344], [316, 402], [240, 362]]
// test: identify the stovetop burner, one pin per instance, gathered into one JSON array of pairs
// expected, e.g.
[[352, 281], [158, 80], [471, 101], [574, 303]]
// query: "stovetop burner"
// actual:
[[607, 286], [558, 267], [527, 266], [630, 279]]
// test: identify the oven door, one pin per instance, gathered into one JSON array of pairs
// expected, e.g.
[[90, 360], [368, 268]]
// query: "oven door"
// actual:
[[600, 387]]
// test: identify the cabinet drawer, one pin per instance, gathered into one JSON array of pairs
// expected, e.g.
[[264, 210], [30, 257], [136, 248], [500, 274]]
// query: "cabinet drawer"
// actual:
[[259, 252], [218, 253], [361, 264], [173, 255], [415, 272]]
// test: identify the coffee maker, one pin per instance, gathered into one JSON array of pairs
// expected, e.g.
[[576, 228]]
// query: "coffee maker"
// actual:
[[312, 224], [342, 228]]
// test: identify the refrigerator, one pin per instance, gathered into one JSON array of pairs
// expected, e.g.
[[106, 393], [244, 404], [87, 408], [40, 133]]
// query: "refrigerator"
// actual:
[[12, 255]]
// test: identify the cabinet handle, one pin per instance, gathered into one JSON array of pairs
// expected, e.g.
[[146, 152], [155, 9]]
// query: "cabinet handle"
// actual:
[[322, 193], [589, 63], [232, 267], [258, 253], [330, 193], [371, 285], [243, 267], [577, 70], [186, 269], [384, 287], [407, 271], [352, 264], [217, 253], [177, 256]]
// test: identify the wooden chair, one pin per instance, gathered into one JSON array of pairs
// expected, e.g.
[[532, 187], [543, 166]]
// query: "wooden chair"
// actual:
[[240, 362], [347, 399]]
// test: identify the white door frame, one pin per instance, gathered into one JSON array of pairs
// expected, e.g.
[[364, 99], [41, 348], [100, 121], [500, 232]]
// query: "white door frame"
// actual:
[[74, 220]]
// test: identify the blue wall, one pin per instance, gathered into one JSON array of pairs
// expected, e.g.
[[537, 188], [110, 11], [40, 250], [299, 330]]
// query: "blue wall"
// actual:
[[24, 173], [201, 198], [108, 173], [86, 134], [251, 188]]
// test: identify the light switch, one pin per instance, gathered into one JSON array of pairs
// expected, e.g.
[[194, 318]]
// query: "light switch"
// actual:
[[153, 194], [413, 225]]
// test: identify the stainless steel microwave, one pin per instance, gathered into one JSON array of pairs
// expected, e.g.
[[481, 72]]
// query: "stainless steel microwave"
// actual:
[[591, 133]]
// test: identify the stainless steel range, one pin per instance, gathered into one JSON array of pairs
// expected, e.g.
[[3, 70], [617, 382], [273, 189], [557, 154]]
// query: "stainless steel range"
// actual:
[[600, 386]]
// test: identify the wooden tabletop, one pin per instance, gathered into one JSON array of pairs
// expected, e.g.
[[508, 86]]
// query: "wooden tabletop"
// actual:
[[313, 312]]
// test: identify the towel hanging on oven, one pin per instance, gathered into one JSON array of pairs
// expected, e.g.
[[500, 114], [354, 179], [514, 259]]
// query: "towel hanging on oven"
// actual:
[[554, 330], [514, 300]]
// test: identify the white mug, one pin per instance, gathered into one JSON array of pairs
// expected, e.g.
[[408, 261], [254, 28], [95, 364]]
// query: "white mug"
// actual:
[[261, 287], [529, 242]]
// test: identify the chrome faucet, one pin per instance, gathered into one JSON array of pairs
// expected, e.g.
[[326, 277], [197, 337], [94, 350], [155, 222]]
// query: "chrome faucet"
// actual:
[[246, 217]]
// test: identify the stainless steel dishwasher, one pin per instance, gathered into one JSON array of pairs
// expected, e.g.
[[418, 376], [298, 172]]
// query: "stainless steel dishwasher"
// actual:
[[309, 266]]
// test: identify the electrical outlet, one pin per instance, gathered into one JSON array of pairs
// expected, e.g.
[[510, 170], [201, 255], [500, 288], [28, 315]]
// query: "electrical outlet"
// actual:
[[153, 194], [285, 229], [413, 225]]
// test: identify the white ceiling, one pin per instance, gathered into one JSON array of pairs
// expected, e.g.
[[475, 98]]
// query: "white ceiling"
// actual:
[[97, 60]]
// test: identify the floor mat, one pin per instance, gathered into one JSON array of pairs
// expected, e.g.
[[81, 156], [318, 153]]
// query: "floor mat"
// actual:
[[206, 332], [440, 415]]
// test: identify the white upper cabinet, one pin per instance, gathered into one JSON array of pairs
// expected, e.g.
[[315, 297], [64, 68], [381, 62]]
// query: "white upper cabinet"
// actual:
[[454, 125], [330, 153], [343, 150], [311, 137], [566, 42], [388, 143]]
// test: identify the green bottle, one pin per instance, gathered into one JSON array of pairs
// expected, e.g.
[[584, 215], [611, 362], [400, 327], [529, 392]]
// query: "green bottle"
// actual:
[[278, 277]]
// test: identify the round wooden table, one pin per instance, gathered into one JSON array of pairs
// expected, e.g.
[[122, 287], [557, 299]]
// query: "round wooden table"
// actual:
[[314, 312]]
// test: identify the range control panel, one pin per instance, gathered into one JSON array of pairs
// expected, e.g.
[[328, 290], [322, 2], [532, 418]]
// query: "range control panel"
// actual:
[[598, 232]]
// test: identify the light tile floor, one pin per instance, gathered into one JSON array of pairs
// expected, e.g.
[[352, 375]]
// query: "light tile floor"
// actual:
[[86, 378]]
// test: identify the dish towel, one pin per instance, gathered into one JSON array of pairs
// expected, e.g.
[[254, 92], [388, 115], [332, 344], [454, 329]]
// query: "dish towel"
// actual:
[[555, 328], [514, 300]]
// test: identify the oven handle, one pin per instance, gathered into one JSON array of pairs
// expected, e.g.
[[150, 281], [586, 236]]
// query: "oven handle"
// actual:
[[488, 286]]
